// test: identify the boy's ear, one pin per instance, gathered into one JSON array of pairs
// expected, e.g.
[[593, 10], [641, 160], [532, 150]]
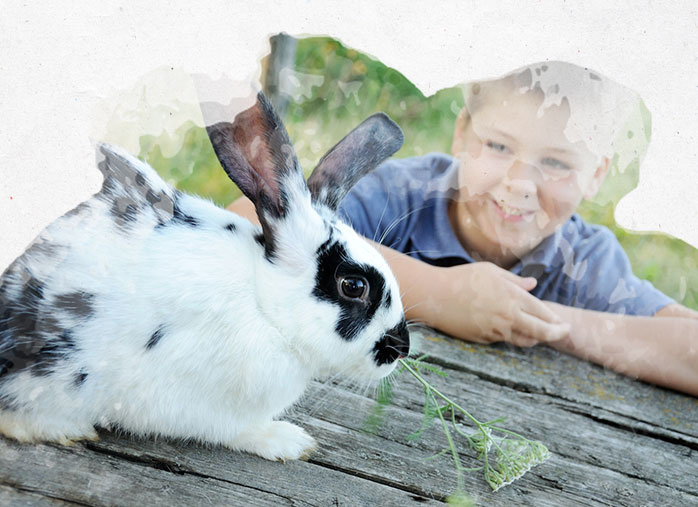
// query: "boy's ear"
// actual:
[[458, 143], [598, 178]]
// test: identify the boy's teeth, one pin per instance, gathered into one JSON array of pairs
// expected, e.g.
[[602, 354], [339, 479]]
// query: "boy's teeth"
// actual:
[[510, 211]]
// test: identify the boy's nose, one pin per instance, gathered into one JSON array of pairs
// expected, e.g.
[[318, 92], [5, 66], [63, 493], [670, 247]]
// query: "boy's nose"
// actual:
[[521, 178]]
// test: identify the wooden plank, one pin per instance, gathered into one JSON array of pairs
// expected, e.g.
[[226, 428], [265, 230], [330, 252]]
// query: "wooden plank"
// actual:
[[567, 479], [543, 370], [343, 452], [389, 459], [604, 452], [303, 481], [18, 498], [567, 434], [78, 475], [346, 454]]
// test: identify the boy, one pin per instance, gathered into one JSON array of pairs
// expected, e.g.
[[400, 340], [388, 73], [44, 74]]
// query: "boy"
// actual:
[[496, 221]]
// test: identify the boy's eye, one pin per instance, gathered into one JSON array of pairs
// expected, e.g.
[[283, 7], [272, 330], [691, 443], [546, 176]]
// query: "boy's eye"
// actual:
[[498, 147], [555, 163]]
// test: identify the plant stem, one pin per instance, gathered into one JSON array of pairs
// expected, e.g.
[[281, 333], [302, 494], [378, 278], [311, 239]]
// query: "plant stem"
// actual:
[[508, 467], [442, 396]]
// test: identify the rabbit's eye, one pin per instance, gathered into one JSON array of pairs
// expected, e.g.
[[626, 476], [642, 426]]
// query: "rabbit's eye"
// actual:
[[353, 287]]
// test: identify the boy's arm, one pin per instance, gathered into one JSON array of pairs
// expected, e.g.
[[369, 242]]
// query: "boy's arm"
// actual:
[[662, 349], [677, 310], [478, 302], [481, 302]]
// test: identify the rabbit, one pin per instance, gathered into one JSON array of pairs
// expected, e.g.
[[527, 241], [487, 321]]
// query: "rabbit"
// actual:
[[158, 313]]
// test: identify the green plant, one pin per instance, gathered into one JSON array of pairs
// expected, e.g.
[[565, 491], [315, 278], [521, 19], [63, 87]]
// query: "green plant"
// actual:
[[514, 454]]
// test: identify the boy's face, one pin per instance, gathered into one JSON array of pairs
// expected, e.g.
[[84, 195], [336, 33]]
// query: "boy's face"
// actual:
[[520, 177]]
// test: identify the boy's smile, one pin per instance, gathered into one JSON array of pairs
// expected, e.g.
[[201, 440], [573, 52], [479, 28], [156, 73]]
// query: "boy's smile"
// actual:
[[520, 178], [511, 214]]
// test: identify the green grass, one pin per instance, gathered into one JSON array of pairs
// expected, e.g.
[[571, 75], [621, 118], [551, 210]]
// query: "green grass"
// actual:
[[339, 87]]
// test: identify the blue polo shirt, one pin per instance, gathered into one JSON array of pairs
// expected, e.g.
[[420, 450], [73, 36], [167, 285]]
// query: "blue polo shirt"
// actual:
[[403, 204]]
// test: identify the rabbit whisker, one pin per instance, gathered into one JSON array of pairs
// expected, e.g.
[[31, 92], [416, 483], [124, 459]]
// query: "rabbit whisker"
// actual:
[[397, 221]]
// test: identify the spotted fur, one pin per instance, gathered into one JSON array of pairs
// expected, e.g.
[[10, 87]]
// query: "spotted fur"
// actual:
[[157, 312], [155, 337]]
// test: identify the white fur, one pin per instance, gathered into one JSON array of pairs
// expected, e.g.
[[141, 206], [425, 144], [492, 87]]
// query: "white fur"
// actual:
[[242, 338]]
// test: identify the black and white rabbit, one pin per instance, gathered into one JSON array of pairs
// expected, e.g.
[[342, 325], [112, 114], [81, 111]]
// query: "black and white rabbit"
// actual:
[[159, 313]]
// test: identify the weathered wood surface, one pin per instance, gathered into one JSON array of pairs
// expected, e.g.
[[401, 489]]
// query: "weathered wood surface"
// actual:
[[614, 441]]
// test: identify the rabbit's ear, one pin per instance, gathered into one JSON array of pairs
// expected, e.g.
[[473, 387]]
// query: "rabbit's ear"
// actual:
[[358, 153], [258, 156]]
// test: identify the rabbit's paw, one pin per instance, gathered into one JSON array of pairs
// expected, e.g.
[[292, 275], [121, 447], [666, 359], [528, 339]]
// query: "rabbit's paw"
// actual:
[[279, 440]]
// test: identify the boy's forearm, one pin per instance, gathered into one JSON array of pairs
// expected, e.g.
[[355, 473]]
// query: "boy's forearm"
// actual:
[[660, 350]]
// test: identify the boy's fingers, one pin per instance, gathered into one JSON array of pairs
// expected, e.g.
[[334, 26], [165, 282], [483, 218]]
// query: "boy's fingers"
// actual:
[[522, 340], [539, 330], [526, 283], [534, 306], [501, 328]]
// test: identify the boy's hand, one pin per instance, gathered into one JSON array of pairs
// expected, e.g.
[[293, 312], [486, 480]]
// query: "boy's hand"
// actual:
[[484, 303]]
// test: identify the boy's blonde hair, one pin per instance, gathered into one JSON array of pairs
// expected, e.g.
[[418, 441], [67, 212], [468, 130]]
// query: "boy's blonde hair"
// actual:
[[598, 106]]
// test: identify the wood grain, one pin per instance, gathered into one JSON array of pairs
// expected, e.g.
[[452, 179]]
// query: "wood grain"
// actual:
[[614, 441]]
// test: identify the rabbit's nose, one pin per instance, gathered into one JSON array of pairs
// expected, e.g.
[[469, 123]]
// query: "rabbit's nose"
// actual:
[[394, 345]]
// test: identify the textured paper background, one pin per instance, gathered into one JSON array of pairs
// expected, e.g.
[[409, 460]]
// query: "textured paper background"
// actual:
[[63, 66]]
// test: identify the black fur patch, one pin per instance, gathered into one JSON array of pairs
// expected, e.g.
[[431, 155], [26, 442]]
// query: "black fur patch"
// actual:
[[30, 336], [152, 197], [334, 262], [179, 217], [8, 402], [267, 231], [119, 173], [17, 350], [5, 366], [80, 378], [126, 189], [78, 303], [109, 185], [388, 299], [42, 248], [231, 227], [155, 337], [79, 209], [259, 238], [53, 349], [32, 293], [125, 211], [20, 327], [394, 344]]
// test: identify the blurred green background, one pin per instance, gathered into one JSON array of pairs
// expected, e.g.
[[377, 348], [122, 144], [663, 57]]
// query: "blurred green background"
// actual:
[[333, 88]]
